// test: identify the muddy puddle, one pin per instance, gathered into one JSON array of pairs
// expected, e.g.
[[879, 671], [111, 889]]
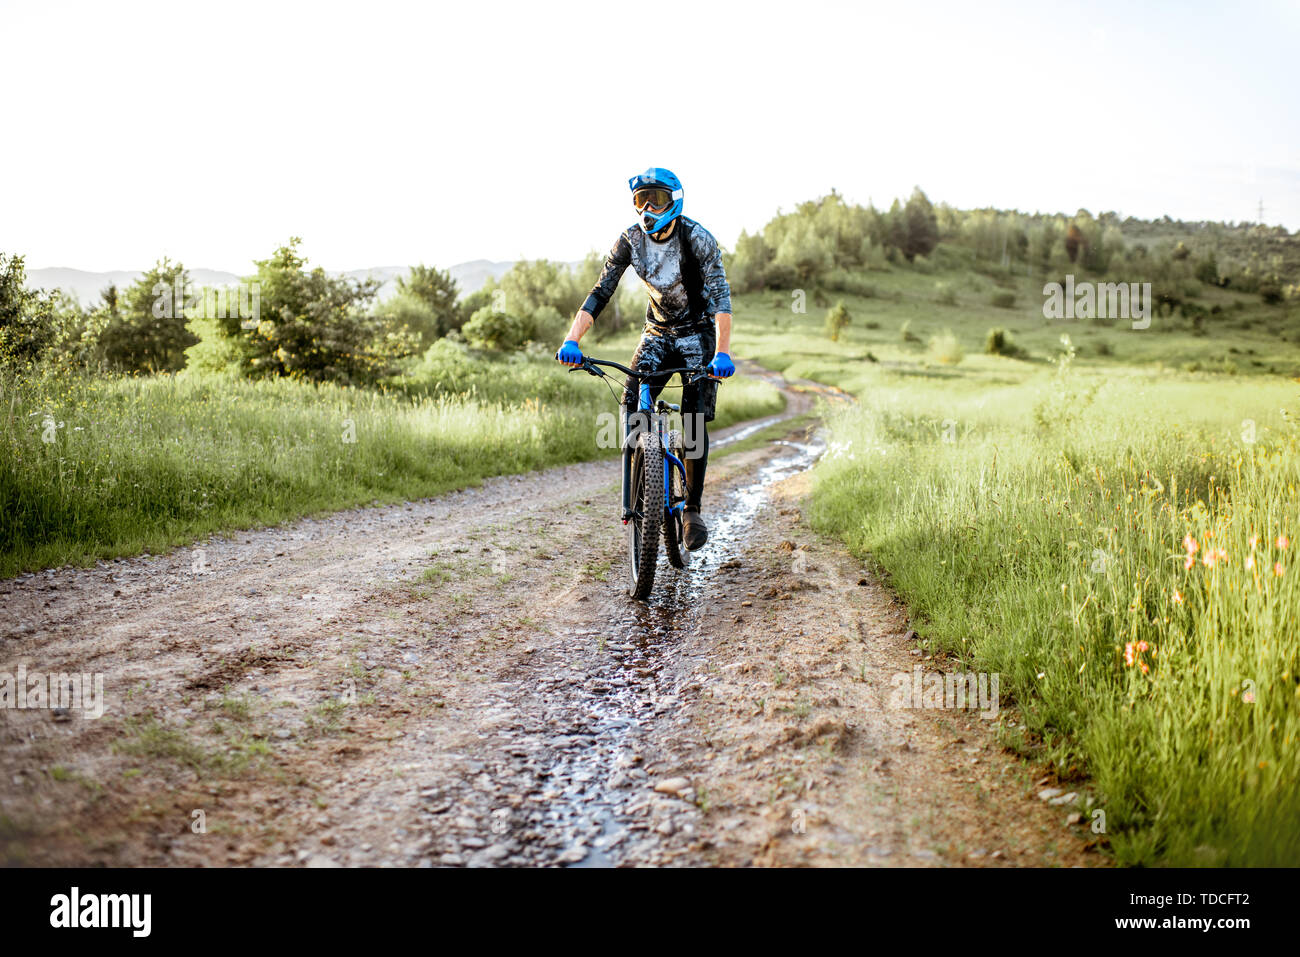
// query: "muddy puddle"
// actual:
[[639, 684]]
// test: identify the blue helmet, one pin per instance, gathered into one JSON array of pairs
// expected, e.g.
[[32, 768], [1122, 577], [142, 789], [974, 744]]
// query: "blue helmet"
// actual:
[[656, 178]]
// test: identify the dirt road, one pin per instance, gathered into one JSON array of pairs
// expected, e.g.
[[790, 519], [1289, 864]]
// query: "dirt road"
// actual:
[[462, 681]]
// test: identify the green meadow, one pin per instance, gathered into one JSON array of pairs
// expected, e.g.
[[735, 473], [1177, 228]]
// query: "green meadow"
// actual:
[[1101, 521], [103, 467]]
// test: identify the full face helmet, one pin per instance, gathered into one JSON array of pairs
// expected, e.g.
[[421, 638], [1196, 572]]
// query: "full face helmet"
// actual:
[[657, 196]]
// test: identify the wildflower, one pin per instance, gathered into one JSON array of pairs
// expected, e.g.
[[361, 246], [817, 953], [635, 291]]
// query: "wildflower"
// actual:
[[1178, 597], [1189, 563], [1254, 540], [1283, 541], [1248, 697], [1189, 543], [1128, 655], [1142, 646], [1277, 569], [1250, 562], [1146, 669]]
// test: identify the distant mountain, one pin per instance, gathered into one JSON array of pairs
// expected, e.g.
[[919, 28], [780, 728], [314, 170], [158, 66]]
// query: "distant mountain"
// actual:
[[86, 286]]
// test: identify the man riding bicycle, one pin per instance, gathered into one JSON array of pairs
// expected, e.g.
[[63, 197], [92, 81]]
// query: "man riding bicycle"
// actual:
[[688, 321]]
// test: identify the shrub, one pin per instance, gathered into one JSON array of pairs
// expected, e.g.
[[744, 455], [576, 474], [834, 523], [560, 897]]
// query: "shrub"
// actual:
[[498, 331], [1003, 300], [840, 280], [905, 332], [998, 342], [837, 317], [944, 294], [945, 349], [27, 321]]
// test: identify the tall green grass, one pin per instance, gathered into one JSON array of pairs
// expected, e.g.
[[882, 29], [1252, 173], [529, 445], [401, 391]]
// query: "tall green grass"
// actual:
[[147, 463], [1041, 524]]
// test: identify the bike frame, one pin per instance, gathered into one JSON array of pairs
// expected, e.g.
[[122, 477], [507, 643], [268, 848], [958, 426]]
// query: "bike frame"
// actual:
[[654, 418]]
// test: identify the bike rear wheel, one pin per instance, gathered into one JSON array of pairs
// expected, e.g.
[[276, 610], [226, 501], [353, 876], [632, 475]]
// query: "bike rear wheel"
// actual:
[[648, 513]]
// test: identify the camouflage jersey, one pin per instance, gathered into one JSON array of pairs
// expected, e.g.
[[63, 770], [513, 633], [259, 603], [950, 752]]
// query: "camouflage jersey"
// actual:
[[683, 275]]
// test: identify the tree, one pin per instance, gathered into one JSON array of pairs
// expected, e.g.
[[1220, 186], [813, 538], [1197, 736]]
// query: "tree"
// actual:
[[426, 304], [145, 328], [313, 326], [28, 325], [919, 232]]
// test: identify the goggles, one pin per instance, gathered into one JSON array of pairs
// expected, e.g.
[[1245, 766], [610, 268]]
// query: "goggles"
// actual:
[[655, 197]]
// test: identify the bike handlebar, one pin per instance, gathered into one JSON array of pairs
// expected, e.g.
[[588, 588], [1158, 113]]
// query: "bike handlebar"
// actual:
[[589, 366]]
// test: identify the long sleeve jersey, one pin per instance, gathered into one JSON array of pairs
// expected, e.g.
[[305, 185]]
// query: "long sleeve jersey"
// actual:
[[687, 286]]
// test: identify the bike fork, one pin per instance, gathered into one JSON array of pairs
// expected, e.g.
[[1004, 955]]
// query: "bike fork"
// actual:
[[626, 429], [631, 425]]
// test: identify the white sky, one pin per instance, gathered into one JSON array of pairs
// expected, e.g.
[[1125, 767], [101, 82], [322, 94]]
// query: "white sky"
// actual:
[[388, 133]]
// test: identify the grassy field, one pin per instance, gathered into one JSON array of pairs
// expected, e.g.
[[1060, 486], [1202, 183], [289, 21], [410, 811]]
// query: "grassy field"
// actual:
[[1116, 538], [906, 309], [97, 468]]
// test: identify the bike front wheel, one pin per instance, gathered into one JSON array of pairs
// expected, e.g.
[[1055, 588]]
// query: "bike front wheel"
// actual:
[[647, 515]]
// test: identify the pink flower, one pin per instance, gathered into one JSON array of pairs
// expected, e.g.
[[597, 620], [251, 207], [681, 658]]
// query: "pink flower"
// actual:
[[1189, 543], [1283, 541], [1277, 569]]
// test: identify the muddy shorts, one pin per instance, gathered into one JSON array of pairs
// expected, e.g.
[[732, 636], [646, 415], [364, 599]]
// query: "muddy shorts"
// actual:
[[674, 351]]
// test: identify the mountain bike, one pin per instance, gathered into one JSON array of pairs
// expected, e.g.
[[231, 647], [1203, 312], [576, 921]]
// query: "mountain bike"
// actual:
[[654, 485]]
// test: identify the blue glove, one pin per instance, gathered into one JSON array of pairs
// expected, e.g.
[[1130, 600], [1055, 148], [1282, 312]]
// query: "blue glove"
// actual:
[[722, 367], [569, 353]]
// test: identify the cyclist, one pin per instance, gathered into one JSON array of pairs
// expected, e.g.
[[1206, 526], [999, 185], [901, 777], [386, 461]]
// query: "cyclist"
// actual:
[[688, 321]]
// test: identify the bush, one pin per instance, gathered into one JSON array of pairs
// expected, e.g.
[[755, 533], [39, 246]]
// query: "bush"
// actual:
[[944, 294], [498, 331], [998, 342], [27, 321], [1003, 300], [837, 317], [945, 349], [905, 332], [840, 280]]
